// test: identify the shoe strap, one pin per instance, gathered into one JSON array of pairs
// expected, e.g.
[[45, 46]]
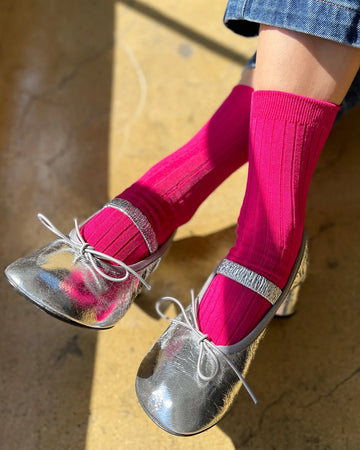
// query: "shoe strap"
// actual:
[[249, 279], [139, 220]]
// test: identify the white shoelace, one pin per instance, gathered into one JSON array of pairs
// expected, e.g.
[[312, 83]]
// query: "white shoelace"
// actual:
[[87, 251], [205, 344]]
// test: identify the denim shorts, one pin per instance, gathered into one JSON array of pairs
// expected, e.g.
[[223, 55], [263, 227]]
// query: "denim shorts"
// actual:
[[337, 20]]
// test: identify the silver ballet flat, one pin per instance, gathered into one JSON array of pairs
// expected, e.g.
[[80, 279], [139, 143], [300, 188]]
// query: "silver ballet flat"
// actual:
[[70, 280], [186, 383]]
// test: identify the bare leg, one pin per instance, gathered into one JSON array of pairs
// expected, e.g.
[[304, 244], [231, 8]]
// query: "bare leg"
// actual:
[[305, 65]]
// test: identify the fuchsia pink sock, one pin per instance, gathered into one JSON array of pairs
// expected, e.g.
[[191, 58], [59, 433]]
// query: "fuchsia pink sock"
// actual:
[[172, 190], [287, 134]]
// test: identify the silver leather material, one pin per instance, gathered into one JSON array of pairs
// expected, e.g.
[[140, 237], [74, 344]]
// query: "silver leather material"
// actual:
[[168, 385], [60, 279], [289, 306], [250, 279]]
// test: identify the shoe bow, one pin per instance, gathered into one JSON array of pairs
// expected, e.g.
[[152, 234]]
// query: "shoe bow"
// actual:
[[84, 249], [205, 345]]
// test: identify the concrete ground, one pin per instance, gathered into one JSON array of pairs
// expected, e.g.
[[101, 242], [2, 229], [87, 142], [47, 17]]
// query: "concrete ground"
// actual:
[[92, 93]]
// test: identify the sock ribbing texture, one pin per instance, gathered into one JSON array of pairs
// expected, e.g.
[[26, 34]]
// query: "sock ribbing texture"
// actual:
[[287, 134], [172, 190]]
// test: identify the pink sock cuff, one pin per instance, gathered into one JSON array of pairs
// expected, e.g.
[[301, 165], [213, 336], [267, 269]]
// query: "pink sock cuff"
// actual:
[[277, 105]]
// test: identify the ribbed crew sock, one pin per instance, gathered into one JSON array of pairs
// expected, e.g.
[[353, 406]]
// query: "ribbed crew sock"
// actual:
[[172, 190], [287, 134]]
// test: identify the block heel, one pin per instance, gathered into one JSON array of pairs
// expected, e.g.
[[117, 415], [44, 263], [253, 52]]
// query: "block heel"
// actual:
[[288, 308]]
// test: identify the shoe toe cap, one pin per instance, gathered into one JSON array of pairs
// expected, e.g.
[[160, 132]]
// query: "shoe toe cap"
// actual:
[[53, 281], [173, 395], [40, 284]]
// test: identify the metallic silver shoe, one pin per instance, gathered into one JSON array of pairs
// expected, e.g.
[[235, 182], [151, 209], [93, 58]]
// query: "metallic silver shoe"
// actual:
[[72, 281], [186, 383]]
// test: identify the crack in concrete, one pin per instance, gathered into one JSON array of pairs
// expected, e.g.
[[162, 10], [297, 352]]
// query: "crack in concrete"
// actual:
[[71, 135], [268, 407], [252, 434], [64, 81], [322, 229], [334, 389], [70, 348], [69, 77]]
